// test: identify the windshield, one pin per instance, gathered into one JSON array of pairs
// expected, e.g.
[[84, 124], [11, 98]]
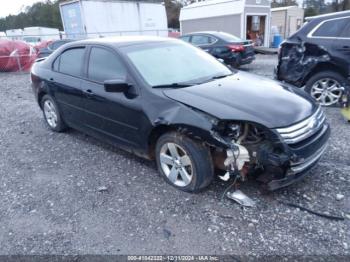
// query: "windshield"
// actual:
[[175, 63]]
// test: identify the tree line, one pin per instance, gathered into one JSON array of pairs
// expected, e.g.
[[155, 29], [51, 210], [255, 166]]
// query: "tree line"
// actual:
[[47, 13], [315, 7]]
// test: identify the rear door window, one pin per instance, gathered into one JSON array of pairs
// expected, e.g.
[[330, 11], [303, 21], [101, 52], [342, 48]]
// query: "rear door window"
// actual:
[[331, 28], [70, 62], [200, 40], [212, 40], [346, 31], [105, 65]]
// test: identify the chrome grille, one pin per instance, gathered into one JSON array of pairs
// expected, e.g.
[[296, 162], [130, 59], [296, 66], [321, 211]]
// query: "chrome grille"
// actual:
[[304, 129]]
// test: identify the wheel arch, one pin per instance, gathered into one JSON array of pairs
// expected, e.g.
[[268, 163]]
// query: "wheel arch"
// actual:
[[192, 132], [41, 94], [324, 66]]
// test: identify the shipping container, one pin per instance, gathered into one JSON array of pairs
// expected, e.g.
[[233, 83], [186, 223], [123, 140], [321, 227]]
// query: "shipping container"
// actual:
[[14, 34], [35, 35], [3, 35], [100, 18]]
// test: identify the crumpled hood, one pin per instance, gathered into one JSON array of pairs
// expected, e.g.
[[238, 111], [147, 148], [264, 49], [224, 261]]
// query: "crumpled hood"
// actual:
[[248, 97]]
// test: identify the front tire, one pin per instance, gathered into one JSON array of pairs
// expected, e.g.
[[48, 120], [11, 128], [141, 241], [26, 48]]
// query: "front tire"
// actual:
[[183, 162], [325, 87], [52, 114]]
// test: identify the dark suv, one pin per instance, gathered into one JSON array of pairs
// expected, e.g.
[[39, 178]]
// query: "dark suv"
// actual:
[[317, 57]]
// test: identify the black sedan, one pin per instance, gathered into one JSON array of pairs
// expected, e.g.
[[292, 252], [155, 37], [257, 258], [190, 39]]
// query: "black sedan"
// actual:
[[164, 99], [233, 50], [46, 51]]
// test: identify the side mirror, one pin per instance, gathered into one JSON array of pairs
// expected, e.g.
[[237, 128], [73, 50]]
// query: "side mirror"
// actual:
[[116, 86]]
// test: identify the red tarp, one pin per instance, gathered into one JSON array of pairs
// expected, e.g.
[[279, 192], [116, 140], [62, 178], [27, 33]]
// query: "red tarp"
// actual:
[[16, 56]]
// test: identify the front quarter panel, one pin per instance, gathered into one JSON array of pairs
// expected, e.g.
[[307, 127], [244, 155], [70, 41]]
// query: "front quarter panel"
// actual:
[[164, 112]]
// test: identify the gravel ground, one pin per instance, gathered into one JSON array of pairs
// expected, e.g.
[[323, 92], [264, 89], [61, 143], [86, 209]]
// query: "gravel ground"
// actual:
[[51, 204]]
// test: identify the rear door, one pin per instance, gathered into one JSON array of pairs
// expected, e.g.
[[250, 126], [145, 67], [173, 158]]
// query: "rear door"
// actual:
[[112, 115], [333, 35], [65, 81], [344, 44]]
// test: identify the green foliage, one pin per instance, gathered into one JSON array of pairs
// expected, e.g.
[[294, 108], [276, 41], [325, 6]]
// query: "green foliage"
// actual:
[[39, 14], [316, 7], [282, 3], [173, 12]]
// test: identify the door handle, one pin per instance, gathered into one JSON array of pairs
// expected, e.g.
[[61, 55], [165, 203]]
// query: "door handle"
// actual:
[[89, 92], [344, 47]]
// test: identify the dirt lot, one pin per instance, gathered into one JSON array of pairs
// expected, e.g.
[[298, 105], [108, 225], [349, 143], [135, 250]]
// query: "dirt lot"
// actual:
[[50, 201]]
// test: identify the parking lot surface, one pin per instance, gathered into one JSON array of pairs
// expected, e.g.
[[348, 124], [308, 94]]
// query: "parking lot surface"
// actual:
[[68, 193]]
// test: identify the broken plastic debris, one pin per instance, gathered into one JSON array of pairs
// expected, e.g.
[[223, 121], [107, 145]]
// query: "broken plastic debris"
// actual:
[[339, 197], [102, 189], [225, 177], [241, 198]]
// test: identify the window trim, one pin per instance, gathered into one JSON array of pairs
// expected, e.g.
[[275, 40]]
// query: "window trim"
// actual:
[[209, 36], [311, 33], [58, 58], [59, 65], [86, 68]]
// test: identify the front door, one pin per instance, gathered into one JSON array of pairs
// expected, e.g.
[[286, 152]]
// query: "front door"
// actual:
[[115, 116]]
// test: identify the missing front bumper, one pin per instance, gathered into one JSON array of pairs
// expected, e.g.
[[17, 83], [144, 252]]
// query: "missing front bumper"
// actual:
[[297, 171]]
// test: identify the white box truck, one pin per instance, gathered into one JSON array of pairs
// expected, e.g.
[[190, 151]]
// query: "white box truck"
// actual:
[[3, 35], [34, 35], [100, 18], [14, 34]]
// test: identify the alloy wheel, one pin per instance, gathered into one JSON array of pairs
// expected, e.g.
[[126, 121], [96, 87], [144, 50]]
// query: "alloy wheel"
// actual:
[[326, 91], [176, 164], [50, 113]]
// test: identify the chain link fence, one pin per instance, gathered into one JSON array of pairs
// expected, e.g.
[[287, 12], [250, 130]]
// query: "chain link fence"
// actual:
[[18, 52]]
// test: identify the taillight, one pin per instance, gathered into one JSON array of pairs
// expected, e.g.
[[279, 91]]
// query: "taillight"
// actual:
[[236, 48]]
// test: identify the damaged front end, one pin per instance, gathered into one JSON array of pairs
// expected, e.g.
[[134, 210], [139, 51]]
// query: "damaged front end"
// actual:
[[275, 157]]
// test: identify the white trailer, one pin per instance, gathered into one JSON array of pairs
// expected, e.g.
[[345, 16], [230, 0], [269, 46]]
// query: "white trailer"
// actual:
[[14, 34], [34, 35], [100, 18], [3, 35]]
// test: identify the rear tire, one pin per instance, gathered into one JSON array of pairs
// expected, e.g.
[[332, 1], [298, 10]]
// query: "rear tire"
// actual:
[[324, 87], [183, 162], [52, 114]]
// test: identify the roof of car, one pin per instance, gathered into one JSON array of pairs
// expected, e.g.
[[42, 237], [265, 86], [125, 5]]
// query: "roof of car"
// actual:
[[215, 33], [123, 40], [329, 15]]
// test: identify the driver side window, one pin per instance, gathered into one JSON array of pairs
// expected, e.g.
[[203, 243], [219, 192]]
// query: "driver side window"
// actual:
[[105, 65]]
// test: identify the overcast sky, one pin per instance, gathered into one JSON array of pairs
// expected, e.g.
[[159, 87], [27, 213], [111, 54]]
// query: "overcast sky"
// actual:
[[15, 6]]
